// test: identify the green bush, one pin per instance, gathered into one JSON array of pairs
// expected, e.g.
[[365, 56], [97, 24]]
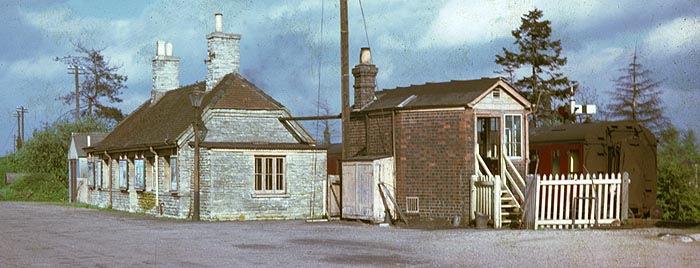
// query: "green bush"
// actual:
[[678, 192], [35, 187], [47, 150]]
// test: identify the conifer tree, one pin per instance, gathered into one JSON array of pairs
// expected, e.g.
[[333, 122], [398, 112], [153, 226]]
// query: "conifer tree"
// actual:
[[542, 57], [637, 98]]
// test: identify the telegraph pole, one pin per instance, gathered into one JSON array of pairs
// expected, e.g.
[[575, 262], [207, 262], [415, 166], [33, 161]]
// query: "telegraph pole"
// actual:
[[76, 70], [20, 114], [345, 77]]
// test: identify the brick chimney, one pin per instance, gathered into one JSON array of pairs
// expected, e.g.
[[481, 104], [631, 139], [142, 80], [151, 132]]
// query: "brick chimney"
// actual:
[[166, 71], [365, 75], [224, 53]]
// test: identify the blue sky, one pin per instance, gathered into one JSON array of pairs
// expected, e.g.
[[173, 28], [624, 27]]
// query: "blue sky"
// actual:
[[412, 42]]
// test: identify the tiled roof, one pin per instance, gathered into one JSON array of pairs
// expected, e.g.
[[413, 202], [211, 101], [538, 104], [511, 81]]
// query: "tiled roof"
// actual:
[[161, 123], [444, 94]]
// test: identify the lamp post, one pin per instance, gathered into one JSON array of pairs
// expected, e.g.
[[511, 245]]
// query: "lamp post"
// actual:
[[196, 100]]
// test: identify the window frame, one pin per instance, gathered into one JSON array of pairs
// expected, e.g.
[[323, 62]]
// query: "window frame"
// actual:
[[91, 174], [139, 174], [267, 180], [123, 174], [508, 141], [173, 185], [98, 174]]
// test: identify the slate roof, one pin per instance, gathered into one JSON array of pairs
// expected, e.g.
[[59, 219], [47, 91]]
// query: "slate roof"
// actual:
[[80, 141], [160, 124], [445, 94]]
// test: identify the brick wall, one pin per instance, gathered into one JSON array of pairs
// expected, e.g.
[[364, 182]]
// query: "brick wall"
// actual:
[[247, 126], [433, 148]]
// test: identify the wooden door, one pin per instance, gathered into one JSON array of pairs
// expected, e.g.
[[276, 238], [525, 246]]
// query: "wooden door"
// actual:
[[489, 140], [358, 194]]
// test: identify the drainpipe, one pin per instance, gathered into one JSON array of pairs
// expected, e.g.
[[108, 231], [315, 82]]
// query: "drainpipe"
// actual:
[[110, 178], [156, 177]]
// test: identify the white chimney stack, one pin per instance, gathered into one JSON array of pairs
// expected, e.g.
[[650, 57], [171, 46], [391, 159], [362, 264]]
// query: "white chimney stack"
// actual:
[[166, 71], [223, 54], [160, 48], [219, 22], [169, 49]]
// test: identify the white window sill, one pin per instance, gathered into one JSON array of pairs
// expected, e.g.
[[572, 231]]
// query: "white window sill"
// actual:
[[263, 195]]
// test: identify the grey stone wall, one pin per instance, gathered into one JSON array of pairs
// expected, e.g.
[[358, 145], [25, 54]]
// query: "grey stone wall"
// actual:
[[247, 126], [227, 186], [224, 56]]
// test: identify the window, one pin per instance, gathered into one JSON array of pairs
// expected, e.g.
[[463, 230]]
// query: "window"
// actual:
[[513, 135], [123, 168], [91, 173], [497, 92], [98, 174], [574, 166], [173, 173], [412, 205], [269, 175], [139, 172], [555, 162]]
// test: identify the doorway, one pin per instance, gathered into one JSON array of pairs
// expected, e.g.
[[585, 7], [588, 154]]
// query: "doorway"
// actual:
[[489, 140]]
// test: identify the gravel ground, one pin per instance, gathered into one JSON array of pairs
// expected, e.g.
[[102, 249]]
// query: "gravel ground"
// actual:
[[43, 235]]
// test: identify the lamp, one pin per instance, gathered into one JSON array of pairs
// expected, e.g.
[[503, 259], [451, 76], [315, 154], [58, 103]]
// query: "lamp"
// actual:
[[196, 100]]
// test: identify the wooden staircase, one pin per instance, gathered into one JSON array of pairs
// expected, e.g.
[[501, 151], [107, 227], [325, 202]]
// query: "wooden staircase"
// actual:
[[507, 204]]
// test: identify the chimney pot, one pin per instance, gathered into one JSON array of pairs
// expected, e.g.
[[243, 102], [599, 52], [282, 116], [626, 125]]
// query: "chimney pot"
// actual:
[[219, 23], [160, 48], [169, 49], [365, 56]]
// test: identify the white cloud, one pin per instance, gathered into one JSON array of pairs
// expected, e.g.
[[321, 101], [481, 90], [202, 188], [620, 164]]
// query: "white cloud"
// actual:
[[675, 36], [469, 22]]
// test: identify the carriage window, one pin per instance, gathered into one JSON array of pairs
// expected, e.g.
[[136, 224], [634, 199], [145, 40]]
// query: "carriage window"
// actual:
[[574, 166], [555, 162]]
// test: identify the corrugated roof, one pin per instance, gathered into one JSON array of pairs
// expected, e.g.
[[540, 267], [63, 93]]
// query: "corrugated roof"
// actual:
[[445, 94], [586, 132], [160, 123]]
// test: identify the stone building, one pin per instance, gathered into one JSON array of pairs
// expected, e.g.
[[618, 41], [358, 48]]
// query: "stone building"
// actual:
[[431, 132], [252, 164]]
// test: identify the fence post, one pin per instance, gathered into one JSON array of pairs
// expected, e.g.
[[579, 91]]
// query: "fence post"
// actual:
[[625, 196], [536, 213], [472, 198], [497, 202]]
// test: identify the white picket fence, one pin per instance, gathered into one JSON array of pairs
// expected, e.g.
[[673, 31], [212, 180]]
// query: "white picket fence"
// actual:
[[575, 201]]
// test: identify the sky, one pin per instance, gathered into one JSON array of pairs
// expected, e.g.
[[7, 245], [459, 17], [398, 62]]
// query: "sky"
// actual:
[[285, 44]]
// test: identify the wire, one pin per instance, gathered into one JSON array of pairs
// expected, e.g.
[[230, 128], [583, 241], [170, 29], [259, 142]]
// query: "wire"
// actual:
[[318, 110], [364, 22]]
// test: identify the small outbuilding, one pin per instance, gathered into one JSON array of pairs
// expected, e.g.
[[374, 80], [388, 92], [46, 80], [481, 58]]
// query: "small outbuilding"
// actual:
[[78, 164]]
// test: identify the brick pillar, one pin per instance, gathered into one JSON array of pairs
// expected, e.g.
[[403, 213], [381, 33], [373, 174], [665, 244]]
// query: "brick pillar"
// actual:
[[365, 74]]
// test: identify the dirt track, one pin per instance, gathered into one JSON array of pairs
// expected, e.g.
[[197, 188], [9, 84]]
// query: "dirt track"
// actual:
[[40, 235]]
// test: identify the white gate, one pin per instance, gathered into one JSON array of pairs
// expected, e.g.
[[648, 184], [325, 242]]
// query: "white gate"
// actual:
[[575, 201]]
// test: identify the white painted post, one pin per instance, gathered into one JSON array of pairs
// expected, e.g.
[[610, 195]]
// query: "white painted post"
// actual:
[[497, 202], [536, 212], [472, 198], [625, 196]]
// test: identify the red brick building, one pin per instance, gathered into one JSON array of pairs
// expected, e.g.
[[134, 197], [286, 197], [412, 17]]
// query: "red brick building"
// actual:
[[431, 132]]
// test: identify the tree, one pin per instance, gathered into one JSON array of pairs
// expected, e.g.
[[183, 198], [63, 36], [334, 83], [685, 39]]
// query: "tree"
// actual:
[[636, 98], [47, 150], [543, 56], [678, 193], [101, 83]]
